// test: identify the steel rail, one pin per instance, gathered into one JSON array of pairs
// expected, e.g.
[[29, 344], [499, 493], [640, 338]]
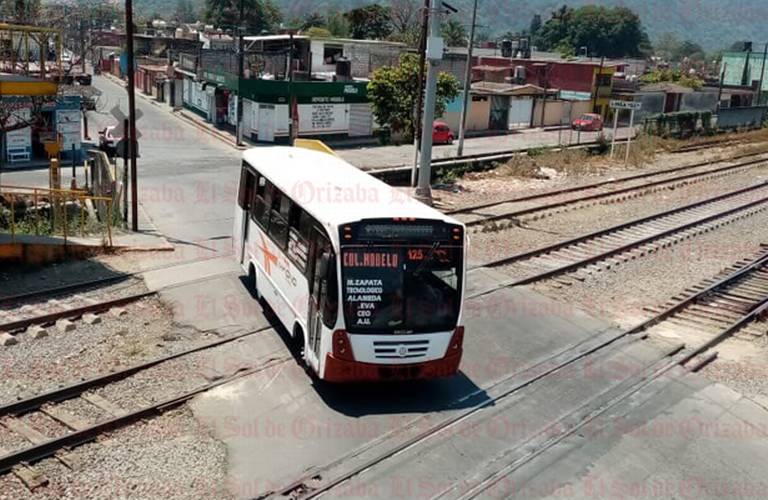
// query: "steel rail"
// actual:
[[73, 312], [78, 388], [301, 489], [609, 253], [12, 299], [619, 227], [597, 196], [609, 182], [79, 437], [686, 356]]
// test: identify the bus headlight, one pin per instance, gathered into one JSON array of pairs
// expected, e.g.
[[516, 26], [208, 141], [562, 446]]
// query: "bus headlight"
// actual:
[[342, 349]]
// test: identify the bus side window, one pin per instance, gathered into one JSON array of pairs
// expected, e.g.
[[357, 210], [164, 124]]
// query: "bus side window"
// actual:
[[263, 201], [278, 225], [247, 185], [298, 246]]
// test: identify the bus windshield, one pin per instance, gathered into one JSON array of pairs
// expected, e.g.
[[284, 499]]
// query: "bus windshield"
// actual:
[[402, 288]]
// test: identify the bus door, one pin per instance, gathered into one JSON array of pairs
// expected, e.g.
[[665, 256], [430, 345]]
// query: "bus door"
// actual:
[[245, 203], [320, 253]]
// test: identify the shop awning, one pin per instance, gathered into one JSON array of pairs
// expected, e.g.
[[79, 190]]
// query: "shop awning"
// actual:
[[17, 85]]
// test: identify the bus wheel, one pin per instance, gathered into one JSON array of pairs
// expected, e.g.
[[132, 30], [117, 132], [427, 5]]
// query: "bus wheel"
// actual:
[[297, 342], [252, 281]]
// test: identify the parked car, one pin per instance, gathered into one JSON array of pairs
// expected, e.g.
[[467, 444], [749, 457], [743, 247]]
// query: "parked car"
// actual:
[[441, 133], [588, 122]]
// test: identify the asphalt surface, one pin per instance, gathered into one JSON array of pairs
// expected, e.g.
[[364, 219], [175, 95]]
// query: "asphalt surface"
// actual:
[[681, 437]]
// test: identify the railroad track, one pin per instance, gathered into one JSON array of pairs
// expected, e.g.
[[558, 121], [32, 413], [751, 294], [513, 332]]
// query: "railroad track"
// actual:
[[587, 254], [734, 302], [74, 301], [54, 310], [488, 216], [78, 431], [708, 145], [412, 445]]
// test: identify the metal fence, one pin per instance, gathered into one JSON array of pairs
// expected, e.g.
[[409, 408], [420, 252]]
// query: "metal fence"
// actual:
[[55, 212]]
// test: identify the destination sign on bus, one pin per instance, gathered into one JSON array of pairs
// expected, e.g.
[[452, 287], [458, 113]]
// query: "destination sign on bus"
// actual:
[[371, 278], [372, 258], [406, 232]]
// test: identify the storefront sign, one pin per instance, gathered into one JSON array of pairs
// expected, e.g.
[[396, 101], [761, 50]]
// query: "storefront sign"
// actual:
[[68, 126]]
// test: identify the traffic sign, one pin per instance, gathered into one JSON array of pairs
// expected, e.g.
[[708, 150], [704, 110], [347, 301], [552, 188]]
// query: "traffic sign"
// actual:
[[121, 149], [635, 106]]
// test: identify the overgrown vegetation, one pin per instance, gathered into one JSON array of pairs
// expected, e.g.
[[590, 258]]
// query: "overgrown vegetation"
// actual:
[[393, 90], [660, 75], [681, 124]]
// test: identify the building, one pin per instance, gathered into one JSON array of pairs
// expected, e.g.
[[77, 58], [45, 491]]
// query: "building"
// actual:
[[501, 107], [577, 80], [745, 69], [57, 118]]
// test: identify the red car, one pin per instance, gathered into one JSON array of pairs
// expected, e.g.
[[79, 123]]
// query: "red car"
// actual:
[[441, 133], [588, 122]]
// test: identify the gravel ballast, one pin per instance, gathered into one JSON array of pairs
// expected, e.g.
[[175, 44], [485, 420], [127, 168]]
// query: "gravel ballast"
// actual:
[[487, 246], [171, 457], [145, 333]]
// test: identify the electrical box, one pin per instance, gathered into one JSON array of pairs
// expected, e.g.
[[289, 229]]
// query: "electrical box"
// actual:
[[435, 48]]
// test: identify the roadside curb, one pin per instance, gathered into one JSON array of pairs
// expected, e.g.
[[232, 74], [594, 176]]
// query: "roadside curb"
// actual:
[[181, 115]]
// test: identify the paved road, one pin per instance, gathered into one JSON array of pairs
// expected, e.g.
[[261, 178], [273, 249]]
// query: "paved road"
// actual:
[[278, 424], [187, 179]]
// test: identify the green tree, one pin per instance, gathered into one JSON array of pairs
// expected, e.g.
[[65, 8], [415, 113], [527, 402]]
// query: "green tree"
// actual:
[[372, 22], [454, 33], [185, 12], [21, 11], [393, 91], [405, 16], [609, 32], [535, 25], [691, 50], [317, 32], [260, 15], [667, 46], [313, 20], [674, 76], [337, 24]]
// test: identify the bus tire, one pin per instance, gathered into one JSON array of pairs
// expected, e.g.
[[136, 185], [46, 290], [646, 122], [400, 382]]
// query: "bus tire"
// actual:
[[297, 341], [252, 285]]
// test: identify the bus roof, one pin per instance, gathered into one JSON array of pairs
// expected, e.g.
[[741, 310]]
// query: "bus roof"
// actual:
[[332, 190]]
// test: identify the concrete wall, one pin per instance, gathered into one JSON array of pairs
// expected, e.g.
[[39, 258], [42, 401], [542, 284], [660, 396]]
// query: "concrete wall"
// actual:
[[479, 113], [558, 112], [653, 103], [699, 101], [741, 117]]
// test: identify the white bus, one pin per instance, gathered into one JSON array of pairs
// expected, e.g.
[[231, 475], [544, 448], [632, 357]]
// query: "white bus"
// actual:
[[368, 282]]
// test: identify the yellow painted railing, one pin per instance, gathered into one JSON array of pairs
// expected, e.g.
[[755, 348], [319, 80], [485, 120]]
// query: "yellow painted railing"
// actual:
[[57, 204]]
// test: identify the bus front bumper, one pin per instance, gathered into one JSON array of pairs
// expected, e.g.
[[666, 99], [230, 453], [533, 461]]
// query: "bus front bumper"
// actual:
[[337, 370]]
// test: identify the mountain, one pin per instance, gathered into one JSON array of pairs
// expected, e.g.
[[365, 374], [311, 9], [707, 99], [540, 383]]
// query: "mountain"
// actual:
[[714, 24]]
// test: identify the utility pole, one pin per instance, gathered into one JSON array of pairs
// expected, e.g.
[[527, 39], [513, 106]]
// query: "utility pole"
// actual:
[[434, 54], [420, 95], [294, 106], [720, 85], [467, 81], [240, 74], [762, 73], [132, 141]]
